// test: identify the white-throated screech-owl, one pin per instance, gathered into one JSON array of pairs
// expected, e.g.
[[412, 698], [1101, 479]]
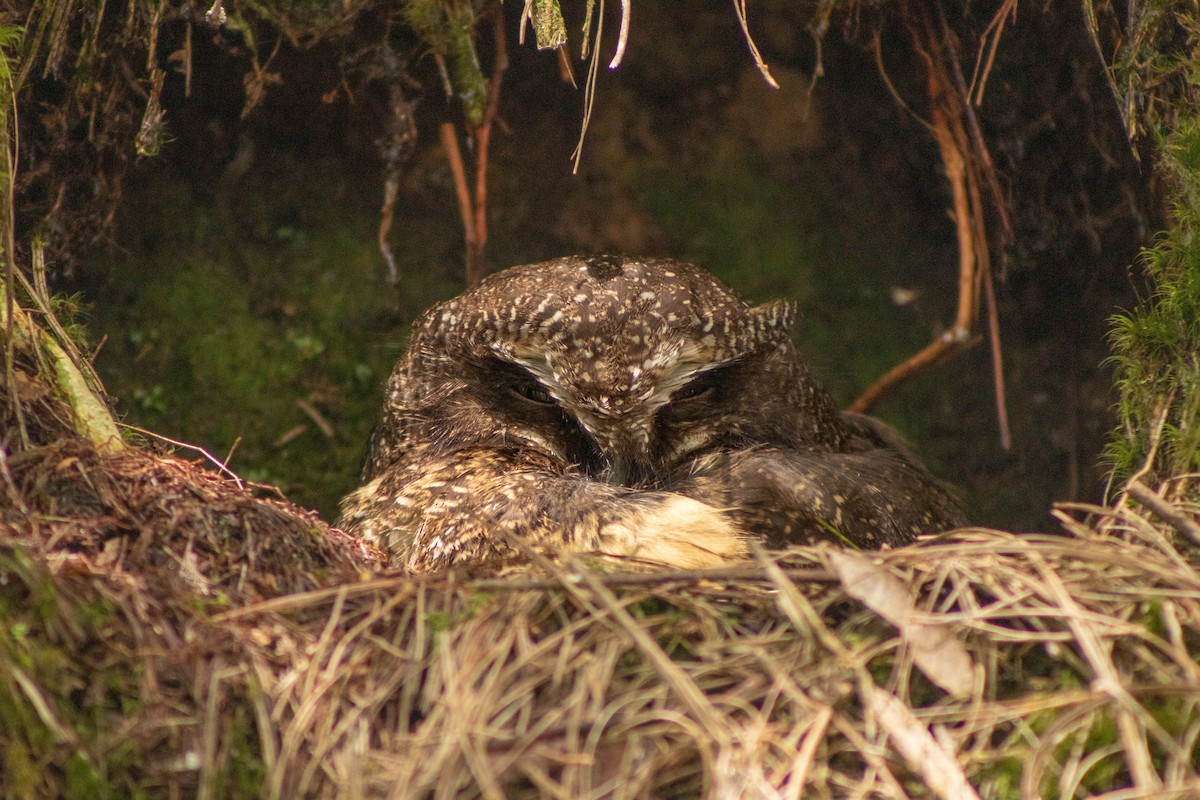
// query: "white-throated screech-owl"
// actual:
[[626, 406]]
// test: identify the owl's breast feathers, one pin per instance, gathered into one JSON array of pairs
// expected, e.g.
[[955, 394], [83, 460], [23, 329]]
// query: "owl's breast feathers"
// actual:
[[625, 406], [433, 510]]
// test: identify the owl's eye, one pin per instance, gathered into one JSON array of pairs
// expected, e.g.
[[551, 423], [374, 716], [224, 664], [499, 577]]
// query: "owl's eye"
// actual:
[[698, 387], [534, 393]]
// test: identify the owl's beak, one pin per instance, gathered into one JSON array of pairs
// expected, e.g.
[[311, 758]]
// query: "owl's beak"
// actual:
[[621, 472], [623, 438], [629, 462]]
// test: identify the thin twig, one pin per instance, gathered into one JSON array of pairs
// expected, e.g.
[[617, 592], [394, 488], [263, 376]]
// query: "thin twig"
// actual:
[[10, 143], [40, 297], [565, 71], [392, 583], [980, 156], [1161, 412], [396, 148], [45, 712], [991, 35], [877, 49], [984, 276], [684, 686], [1106, 679], [663, 578], [989, 292], [216, 461], [232, 449], [474, 213], [967, 165], [391, 189], [526, 20], [187, 61], [952, 157], [1125, 111], [317, 417], [1156, 503], [14, 494], [589, 85], [935, 351]]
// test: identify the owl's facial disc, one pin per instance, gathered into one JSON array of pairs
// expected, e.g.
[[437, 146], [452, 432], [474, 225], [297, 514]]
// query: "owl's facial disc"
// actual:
[[617, 408]]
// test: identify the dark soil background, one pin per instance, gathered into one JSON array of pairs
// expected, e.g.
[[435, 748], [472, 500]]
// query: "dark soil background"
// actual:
[[245, 308]]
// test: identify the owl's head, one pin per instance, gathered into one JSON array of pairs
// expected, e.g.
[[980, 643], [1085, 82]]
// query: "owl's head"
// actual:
[[621, 367]]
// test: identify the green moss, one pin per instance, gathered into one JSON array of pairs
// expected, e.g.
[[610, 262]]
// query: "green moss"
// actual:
[[229, 332], [243, 773], [644, 609], [448, 28], [75, 722], [83, 779], [438, 621], [1157, 345], [301, 18], [1001, 777], [58, 715]]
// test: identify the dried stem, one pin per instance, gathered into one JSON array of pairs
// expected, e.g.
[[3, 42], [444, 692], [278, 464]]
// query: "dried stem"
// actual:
[[989, 41], [1160, 506], [387, 213], [483, 136], [8, 163], [1106, 679], [589, 84], [60, 361], [989, 292], [474, 213], [933, 352], [981, 158]]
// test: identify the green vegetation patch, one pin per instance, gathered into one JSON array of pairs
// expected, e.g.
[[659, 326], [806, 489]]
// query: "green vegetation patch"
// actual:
[[1157, 345], [256, 335], [64, 698]]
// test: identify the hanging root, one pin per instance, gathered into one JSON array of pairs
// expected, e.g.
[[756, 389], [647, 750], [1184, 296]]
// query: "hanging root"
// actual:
[[968, 167], [623, 36], [739, 8], [396, 147]]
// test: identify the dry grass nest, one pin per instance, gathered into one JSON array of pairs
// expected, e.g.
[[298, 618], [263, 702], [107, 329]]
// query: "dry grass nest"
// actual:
[[166, 632]]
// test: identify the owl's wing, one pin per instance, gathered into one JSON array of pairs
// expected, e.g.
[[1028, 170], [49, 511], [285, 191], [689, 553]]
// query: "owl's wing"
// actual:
[[434, 510], [865, 499], [871, 433]]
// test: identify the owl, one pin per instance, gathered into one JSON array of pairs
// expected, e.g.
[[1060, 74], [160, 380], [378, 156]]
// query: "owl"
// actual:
[[627, 406]]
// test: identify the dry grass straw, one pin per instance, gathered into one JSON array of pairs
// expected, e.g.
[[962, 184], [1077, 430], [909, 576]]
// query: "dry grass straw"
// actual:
[[167, 633]]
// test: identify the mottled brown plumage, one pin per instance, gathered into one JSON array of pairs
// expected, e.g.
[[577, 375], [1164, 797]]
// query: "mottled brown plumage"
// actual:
[[626, 406]]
